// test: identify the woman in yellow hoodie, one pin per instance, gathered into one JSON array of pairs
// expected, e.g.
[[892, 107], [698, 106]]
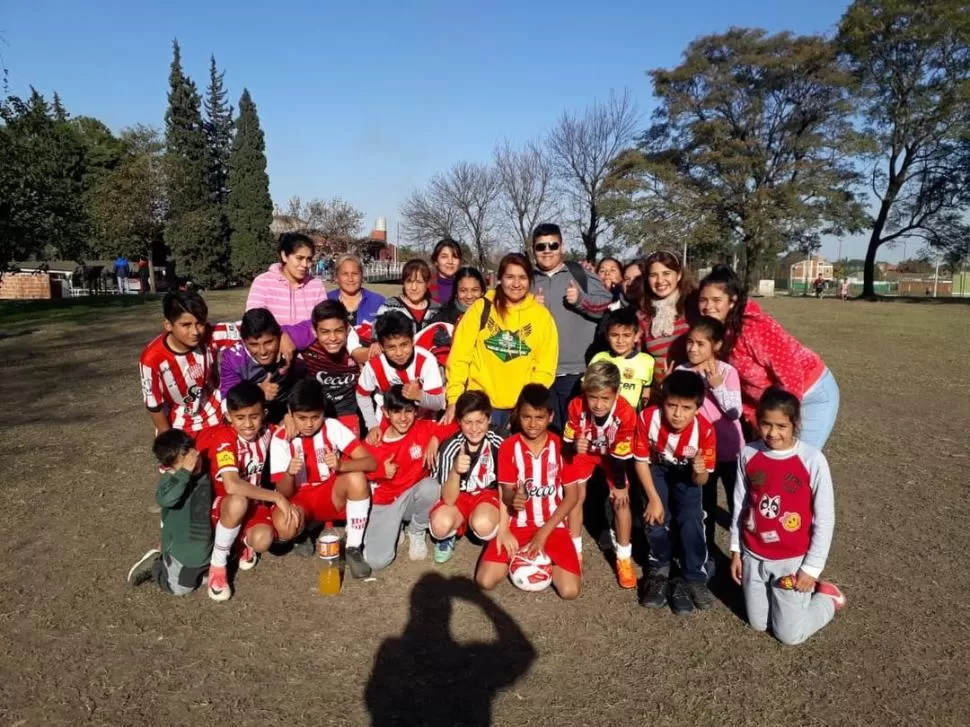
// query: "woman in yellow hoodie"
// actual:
[[505, 341]]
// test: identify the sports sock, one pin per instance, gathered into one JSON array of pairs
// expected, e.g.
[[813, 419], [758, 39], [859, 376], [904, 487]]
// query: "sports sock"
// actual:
[[224, 539], [624, 552], [356, 521], [578, 543]]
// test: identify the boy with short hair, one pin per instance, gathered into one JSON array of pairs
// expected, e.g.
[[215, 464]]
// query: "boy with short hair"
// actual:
[[636, 368], [675, 454], [237, 454], [185, 496], [416, 369], [599, 433], [321, 470], [403, 487]]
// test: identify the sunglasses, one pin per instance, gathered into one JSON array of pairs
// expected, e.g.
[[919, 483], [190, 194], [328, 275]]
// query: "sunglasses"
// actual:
[[542, 246]]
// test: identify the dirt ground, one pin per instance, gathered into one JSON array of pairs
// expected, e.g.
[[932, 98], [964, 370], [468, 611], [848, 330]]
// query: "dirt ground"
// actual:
[[421, 645]]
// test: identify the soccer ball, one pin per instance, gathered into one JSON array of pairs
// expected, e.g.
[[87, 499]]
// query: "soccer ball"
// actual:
[[530, 574]]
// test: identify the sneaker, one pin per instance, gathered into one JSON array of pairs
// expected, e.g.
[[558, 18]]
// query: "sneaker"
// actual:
[[248, 559], [219, 584], [701, 595], [358, 566], [306, 546], [833, 592], [653, 591], [141, 572], [680, 600], [626, 573], [417, 547], [444, 550]]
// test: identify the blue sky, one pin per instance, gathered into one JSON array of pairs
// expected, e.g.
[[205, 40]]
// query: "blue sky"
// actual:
[[368, 100]]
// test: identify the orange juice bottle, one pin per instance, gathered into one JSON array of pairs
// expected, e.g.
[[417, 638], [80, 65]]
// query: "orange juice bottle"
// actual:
[[328, 550]]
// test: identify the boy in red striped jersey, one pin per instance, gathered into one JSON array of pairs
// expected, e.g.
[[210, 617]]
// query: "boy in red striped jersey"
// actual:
[[321, 469], [401, 363], [179, 375], [237, 454], [536, 503], [675, 454]]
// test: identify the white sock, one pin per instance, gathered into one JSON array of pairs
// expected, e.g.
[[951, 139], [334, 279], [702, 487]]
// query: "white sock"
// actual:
[[224, 539], [356, 521], [578, 543], [624, 552]]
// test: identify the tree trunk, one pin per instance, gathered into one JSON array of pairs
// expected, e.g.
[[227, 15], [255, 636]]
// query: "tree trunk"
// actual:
[[151, 269], [875, 241], [589, 234], [750, 263]]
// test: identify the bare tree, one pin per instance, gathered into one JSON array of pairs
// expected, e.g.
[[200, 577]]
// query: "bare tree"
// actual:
[[526, 181], [582, 149], [335, 219], [428, 217]]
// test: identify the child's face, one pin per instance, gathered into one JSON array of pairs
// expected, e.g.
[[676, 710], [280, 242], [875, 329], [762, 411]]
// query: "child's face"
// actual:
[[622, 339], [307, 423], [398, 349], [187, 330], [415, 288], [469, 290], [678, 412], [600, 402], [264, 349], [447, 262], [534, 422], [247, 421], [180, 462], [609, 273], [714, 301], [331, 334], [776, 429], [474, 426], [700, 348], [401, 421]]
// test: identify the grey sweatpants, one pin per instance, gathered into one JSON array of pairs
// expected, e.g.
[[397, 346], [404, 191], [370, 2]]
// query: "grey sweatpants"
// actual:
[[792, 615], [175, 578], [384, 523]]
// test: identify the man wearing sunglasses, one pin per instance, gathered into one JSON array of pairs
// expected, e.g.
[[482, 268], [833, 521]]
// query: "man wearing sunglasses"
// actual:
[[576, 300]]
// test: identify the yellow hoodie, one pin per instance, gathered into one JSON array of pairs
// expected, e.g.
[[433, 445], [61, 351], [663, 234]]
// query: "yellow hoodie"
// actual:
[[504, 355]]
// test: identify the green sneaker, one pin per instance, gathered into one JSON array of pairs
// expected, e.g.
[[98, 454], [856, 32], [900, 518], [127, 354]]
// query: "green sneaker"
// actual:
[[444, 550]]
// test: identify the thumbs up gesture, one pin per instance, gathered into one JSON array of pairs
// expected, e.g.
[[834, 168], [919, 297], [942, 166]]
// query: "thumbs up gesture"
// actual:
[[540, 296], [270, 390], [330, 459], [463, 463], [573, 293], [390, 469], [582, 444], [412, 390], [296, 464]]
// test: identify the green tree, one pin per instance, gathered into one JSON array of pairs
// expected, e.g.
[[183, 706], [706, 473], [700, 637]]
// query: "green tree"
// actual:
[[911, 60], [250, 208], [218, 131], [752, 135]]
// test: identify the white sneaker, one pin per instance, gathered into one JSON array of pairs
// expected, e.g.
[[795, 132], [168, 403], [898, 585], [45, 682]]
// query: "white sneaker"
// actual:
[[417, 548]]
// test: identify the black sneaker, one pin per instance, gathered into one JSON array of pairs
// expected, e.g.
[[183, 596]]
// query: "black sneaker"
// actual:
[[653, 591], [680, 600], [358, 566], [701, 595], [141, 572], [306, 546]]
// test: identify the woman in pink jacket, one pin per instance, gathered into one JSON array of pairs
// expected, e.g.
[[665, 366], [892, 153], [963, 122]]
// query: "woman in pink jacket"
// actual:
[[766, 356], [287, 289]]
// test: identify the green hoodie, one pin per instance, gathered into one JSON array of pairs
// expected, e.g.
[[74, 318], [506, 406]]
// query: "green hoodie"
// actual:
[[186, 501]]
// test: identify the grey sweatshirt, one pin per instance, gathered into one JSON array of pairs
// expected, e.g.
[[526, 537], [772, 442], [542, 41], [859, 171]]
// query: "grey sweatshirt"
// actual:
[[576, 324]]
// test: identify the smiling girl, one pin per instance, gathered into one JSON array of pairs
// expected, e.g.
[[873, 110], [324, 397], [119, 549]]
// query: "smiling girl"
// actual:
[[287, 289], [446, 258]]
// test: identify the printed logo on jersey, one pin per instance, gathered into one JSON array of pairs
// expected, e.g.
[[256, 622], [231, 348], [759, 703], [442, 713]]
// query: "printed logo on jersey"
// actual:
[[791, 482], [193, 395], [225, 459], [769, 506], [623, 449], [415, 451], [770, 536], [509, 345], [534, 491], [791, 521], [628, 373], [758, 479]]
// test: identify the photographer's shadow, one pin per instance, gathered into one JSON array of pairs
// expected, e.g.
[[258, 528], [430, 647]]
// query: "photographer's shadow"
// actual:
[[424, 677]]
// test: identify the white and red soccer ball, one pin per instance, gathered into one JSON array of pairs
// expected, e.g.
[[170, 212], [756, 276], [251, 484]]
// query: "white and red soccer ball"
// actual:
[[530, 574]]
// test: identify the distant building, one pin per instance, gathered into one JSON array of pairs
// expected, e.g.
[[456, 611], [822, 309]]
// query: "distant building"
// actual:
[[810, 269]]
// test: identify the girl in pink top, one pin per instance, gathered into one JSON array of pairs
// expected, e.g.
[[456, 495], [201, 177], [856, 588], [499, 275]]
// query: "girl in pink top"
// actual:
[[767, 356], [288, 289]]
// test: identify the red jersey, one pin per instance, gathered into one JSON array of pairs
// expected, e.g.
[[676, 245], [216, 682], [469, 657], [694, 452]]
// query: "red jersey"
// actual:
[[228, 452], [614, 436], [408, 454], [655, 443], [331, 437], [379, 375], [186, 385], [541, 476]]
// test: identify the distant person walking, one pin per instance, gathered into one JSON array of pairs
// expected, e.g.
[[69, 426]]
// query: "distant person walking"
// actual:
[[122, 269], [287, 289], [819, 286], [143, 275], [844, 289]]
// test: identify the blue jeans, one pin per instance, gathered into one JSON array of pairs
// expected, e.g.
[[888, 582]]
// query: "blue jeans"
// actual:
[[501, 421], [820, 407], [562, 392], [682, 501]]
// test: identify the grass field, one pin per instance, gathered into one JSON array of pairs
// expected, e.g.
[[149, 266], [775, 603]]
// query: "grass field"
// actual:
[[421, 645]]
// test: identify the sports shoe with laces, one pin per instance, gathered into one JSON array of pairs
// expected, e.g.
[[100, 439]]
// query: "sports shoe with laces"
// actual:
[[417, 548], [626, 573], [680, 601], [653, 591], [444, 550], [248, 558], [219, 584], [833, 592], [141, 572], [358, 566], [701, 595]]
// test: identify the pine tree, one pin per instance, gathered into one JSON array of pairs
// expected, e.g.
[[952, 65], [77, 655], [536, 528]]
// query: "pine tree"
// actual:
[[218, 131], [250, 208]]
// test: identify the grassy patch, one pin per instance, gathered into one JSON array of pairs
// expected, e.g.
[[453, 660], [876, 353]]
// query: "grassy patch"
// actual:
[[33, 311]]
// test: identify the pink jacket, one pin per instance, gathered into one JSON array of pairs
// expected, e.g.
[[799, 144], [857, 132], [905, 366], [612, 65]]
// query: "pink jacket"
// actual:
[[288, 305], [767, 355]]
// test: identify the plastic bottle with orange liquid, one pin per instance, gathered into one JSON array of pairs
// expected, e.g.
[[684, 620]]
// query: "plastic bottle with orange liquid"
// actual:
[[328, 551]]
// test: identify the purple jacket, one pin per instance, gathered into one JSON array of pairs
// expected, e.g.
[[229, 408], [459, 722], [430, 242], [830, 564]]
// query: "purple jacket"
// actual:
[[367, 310]]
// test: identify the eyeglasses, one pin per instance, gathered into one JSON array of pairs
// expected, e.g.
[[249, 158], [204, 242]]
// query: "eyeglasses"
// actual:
[[543, 246]]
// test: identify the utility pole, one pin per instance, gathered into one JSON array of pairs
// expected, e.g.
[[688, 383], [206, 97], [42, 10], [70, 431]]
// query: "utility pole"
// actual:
[[936, 276]]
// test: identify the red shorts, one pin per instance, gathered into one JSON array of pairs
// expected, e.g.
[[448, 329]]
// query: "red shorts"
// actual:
[[559, 548], [582, 466], [467, 502], [352, 422], [259, 513], [317, 502]]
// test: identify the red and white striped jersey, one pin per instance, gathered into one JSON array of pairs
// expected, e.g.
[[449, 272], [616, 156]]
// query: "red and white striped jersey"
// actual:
[[378, 375], [186, 385], [655, 443], [541, 476], [226, 451], [614, 436], [332, 436]]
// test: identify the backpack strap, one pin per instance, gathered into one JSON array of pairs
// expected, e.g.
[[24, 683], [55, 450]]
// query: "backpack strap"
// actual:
[[486, 312]]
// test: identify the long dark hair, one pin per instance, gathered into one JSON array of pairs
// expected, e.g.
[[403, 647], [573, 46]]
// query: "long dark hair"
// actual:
[[513, 258], [290, 242], [725, 277], [461, 274], [669, 260]]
